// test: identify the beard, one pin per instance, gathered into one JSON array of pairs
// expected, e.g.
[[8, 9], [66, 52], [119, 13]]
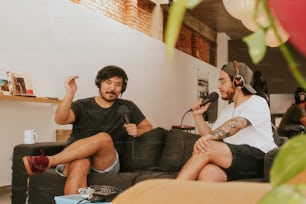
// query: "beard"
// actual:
[[228, 95], [109, 96]]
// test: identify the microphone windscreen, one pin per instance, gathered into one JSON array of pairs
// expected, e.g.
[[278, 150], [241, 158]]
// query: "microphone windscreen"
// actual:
[[123, 109], [212, 97]]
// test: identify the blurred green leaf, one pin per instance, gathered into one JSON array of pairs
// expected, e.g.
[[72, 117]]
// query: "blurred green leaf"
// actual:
[[192, 3], [256, 45], [174, 22], [290, 161], [283, 194]]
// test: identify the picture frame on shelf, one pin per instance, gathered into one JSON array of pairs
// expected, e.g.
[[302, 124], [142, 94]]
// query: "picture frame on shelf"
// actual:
[[19, 85], [6, 86], [22, 86]]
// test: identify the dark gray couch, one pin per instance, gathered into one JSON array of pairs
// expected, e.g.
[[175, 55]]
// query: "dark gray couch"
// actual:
[[157, 154]]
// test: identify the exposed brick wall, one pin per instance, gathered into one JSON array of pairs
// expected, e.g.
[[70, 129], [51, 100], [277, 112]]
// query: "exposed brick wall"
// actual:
[[200, 47], [184, 42], [194, 44], [114, 9], [137, 14]]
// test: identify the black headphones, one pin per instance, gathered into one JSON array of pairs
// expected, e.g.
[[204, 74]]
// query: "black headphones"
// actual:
[[238, 80], [111, 71]]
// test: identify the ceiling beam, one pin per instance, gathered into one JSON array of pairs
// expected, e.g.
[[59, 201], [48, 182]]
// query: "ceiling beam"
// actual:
[[199, 27], [196, 25]]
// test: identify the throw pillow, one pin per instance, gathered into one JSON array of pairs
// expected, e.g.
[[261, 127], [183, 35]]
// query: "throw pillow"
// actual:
[[143, 153]]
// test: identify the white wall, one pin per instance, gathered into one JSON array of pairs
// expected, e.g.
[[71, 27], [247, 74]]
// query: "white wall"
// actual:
[[222, 53], [49, 40]]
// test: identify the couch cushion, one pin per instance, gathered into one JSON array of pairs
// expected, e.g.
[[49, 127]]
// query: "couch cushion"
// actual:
[[143, 153], [45, 186], [146, 175], [121, 180], [177, 149]]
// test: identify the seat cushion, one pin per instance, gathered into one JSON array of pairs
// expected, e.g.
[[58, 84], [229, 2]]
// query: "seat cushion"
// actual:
[[121, 180], [45, 186], [147, 175]]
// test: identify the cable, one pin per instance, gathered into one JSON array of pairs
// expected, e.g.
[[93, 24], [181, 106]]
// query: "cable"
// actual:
[[183, 118], [81, 201]]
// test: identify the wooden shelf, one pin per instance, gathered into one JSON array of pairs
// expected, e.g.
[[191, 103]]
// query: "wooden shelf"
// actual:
[[29, 99]]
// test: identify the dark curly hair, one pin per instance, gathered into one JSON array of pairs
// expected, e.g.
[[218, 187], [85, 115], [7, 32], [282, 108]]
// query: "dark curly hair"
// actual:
[[109, 72]]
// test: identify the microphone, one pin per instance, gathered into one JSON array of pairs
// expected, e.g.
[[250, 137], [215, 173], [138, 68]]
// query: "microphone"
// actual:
[[123, 110], [212, 97]]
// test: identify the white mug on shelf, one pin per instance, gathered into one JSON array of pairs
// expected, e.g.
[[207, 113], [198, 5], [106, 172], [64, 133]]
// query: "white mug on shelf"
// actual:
[[30, 136]]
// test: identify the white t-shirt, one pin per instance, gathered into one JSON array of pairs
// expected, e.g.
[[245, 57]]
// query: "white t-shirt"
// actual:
[[259, 133]]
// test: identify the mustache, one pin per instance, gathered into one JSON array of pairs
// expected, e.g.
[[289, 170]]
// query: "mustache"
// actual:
[[111, 92]]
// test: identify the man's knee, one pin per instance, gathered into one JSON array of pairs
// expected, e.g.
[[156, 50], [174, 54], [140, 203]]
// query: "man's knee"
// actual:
[[206, 155], [103, 138], [218, 150], [209, 169], [217, 153], [212, 173]]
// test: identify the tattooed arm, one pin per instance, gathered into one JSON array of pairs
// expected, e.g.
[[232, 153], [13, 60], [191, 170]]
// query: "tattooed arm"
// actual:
[[229, 128]]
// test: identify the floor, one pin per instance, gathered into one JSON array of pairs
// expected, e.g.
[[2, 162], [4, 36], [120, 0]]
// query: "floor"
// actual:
[[5, 194]]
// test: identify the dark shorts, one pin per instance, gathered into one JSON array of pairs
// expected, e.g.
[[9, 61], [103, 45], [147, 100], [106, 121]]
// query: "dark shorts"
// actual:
[[248, 162]]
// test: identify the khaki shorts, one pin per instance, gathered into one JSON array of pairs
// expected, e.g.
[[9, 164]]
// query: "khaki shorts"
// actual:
[[114, 168]]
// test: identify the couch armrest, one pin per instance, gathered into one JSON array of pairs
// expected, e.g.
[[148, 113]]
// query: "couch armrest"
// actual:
[[19, 174], [291, 130], [269, 158], [283, 140]]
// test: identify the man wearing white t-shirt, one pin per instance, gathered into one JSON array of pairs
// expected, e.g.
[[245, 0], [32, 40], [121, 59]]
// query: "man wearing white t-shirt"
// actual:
[[235, 146]]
